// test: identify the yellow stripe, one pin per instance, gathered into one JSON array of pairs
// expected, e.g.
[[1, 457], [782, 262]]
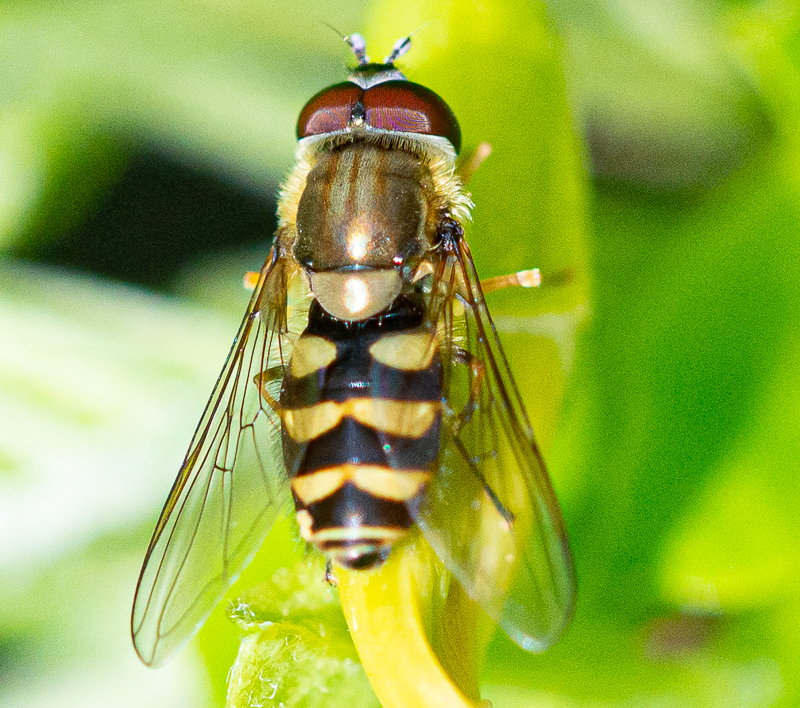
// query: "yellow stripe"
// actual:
[[368, 534], [310, 354], [381, 482], [305, 522], [310, 488], [386, 483], [404, 418], [304, 424], [408, 419], [407, 351]]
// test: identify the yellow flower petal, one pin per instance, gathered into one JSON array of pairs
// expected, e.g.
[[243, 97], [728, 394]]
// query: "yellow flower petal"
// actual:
[[396, 612]]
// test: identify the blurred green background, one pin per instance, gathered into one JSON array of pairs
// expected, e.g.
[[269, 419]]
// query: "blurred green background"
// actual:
[[651, 146]]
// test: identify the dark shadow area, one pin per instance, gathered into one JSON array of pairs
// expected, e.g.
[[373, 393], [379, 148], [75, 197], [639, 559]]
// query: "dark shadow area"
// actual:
[[158, 217]]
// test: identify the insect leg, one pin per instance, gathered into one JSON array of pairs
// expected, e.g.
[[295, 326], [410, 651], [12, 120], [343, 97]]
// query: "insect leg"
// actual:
[[250, 280], [330, 578], [274, 373], [526, 279], [470, 163], [462, 357]]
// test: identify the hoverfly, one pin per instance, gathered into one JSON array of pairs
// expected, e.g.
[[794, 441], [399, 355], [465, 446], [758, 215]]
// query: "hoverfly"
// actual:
[[367, 386]]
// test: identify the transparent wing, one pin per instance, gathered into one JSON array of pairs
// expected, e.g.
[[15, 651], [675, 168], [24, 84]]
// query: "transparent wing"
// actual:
[[229, 490], [490, 512]]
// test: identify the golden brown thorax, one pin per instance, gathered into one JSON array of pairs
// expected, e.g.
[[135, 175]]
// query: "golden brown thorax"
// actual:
[[366, 214], [364, 206]]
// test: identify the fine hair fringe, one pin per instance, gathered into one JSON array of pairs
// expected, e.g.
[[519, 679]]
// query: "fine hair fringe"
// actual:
[[436, 152]]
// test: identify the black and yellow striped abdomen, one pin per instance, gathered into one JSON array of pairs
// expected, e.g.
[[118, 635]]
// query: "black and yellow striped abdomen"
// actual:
[[361, 411]]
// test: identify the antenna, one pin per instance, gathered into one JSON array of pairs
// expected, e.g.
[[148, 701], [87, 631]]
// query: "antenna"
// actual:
[[401, 46], [359, 47], [356, 43]]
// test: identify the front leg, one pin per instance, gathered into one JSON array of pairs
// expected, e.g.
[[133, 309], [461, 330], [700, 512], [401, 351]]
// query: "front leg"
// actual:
[[477, 372], [274, 373], [461, 357]]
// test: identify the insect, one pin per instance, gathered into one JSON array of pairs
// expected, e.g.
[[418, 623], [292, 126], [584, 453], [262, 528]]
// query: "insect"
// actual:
[[366, 387]]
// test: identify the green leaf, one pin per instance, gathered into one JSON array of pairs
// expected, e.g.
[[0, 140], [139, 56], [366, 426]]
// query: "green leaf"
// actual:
[[296, 650], [217, 85]]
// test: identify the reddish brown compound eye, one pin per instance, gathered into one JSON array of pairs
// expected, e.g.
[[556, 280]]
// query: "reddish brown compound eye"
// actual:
[[329, 110], [407, 107]]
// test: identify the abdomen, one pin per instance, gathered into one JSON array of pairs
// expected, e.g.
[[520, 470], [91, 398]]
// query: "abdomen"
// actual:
[[361, 409]]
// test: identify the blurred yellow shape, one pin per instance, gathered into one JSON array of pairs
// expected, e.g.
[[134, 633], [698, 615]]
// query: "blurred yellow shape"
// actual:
[[394, 611]]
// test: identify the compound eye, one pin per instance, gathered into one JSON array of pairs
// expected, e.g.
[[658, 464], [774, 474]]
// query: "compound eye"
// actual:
[[329, 110], [407, 107]]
